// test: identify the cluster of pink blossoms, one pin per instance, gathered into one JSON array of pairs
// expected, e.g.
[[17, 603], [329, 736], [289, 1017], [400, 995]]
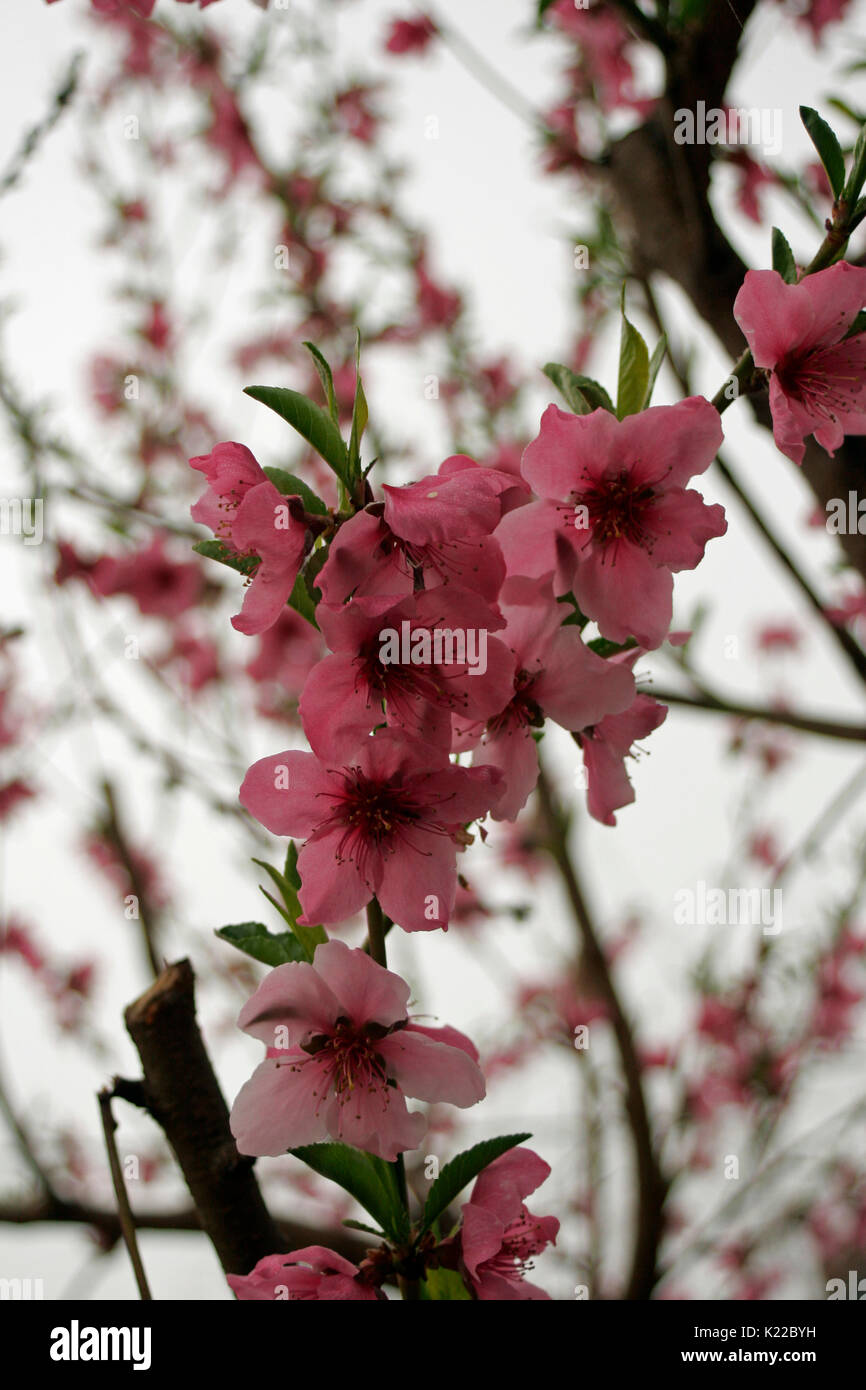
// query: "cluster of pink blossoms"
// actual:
[[453, 611]]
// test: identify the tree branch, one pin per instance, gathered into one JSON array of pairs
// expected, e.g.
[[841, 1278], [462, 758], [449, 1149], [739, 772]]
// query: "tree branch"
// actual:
[[184, 1097], [652, 1187]]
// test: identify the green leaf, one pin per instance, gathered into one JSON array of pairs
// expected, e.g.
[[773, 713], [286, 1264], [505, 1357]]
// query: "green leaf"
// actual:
[[461, 1170], [215, 550], [828, 147], [444, 1285], [287, 884], [360, 416], [309, 420], [857, 215], [602, 646], [371, 1181], [362, 1226], [633, 369], [858, 170], [783, 258], [580, 393], [254, 939], [292, 486], [858, 325], [575, 618], [327, 380], [655, 362], [302, 600]]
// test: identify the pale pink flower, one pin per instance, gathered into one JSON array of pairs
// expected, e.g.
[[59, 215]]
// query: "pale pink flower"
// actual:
[[343, 1059]]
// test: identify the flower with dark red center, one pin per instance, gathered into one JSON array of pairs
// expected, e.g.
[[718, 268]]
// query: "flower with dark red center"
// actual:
[[343, 1057], [616, 519], [385, 823], [799, 333], [356, 688], [500, 1236], [556, 675]]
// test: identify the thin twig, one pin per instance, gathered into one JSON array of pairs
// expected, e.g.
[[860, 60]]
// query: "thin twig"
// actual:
[[124, 1210]]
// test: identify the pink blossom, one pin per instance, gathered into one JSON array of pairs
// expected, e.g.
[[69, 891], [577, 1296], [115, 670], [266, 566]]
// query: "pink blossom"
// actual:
[[385, 823], [311, 1274], [555, 675], [344, 695], [606, 72], [606, 746], [247, 513], [820, 13], [797, 333], [354, 114], [616, 519], [410, 35], [159, 585], [500, 1235], [438, 308], [140, 7], [438, 528], [346, 1058], [287, 653], [752, 179]]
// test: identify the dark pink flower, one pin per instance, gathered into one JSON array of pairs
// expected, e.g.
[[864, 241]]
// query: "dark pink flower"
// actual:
[[616, 518], [410, 35], [605, 748], [311, 1274], [345, 695], [160, 586], [385, 823], [438, 529], [343, 1059], [499, 1235], [752, 178], [820, 13], [437, 308], [140, 7], [797, 333], [555, 675], [247, 513]]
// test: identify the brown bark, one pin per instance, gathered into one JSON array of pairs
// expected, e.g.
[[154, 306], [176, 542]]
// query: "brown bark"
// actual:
[[183, 1095]]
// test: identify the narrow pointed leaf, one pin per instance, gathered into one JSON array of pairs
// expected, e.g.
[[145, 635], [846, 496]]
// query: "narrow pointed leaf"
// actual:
[[462, 1170], [783, 258], [655, 363], [326, 377], [829, 150], [309, 420], [633, 369]]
